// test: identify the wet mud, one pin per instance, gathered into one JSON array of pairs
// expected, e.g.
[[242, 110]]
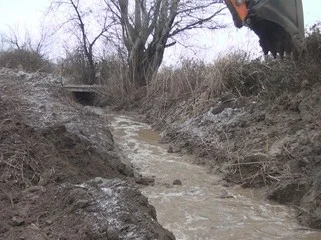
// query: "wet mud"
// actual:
[[61, 176], [202, 206]]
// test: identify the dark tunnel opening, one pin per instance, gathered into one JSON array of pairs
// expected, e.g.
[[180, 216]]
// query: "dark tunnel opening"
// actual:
[[84, 98]]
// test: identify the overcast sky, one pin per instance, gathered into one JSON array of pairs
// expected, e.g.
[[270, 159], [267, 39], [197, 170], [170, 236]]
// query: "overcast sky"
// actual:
[[29, 13]]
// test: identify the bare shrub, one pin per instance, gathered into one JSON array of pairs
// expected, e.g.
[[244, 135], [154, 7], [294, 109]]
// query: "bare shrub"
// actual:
[[78, 20], [314, 42], [26, 60], [179, 82], [235, 74], [76, 68], [113, 75], [239, 75]]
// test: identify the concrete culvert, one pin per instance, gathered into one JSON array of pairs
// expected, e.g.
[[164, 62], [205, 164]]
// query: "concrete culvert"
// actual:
[[84, 98]]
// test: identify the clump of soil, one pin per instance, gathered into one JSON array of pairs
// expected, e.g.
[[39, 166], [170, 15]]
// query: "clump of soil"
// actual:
[[97, 209], [60, 175]]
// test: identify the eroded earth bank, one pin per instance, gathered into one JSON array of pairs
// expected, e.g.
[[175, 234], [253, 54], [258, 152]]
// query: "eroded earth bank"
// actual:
[[61, 176]]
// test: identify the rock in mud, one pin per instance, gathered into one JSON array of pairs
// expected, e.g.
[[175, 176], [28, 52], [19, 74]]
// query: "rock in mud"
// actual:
[[225, 194], [17, 221], [170, 149], [288, 192], [144, 180], [173, 149], [177, 182]]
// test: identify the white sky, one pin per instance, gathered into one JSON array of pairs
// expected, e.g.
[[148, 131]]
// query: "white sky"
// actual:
[[29, 14], [220, 42], [22, 12]]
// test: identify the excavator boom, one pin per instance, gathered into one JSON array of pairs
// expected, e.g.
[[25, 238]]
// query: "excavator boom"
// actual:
[[278, 23]]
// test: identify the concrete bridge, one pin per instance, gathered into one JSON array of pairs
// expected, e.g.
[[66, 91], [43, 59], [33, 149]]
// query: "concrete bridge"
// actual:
[[84, 88], [86, 94]]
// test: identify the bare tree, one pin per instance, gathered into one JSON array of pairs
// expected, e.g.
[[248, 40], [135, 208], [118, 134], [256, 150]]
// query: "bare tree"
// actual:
[[150, 26], [25, 42], [86, 23], [26, 50]]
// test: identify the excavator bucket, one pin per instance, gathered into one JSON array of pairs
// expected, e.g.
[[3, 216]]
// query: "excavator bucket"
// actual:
[[278, 23]]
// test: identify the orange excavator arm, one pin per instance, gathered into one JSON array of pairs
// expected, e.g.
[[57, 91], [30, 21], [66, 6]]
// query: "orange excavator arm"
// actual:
[[238, 9], [278, 23]]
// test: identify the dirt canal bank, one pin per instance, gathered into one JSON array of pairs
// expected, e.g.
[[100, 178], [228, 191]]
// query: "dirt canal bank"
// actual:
[[199, 206], [61, 176]]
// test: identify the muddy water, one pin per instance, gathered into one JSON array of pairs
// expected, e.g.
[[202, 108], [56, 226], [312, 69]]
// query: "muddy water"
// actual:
[[198, 210]]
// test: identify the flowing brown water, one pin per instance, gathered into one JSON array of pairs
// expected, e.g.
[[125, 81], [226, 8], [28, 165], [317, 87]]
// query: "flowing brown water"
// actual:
[[196, 210]]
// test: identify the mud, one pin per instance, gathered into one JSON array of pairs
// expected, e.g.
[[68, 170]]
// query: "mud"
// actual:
[[194, 204], [61, 176], [272, 144]]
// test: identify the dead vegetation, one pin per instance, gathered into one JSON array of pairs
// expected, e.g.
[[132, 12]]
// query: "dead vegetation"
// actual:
[[234, 74], [237, 74], [26, 60], [255, 122], [19, 160]]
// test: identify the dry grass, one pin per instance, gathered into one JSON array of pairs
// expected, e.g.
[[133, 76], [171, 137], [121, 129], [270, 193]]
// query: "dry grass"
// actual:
[[236, 74], [28, 153], [314, 43], [23, 150], [20, 147], [113, 75], [26, 60], [75, 67]]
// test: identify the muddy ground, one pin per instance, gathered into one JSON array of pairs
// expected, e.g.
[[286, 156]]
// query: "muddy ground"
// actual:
[[253, 141], [61, 176]]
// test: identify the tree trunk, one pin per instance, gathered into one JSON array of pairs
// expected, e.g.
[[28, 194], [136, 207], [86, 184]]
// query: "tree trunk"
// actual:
[[91, 71], [143, 65], [136, 69], [146, 32]]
